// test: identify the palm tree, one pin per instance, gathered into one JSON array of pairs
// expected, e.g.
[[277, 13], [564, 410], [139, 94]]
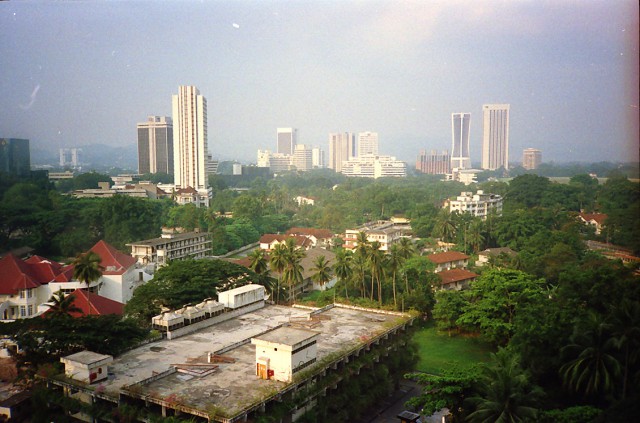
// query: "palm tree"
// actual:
[[359, 263], [342, 268], [87, 269], [277, 263], [322, 270], [376, 259], [258, 261], [292, 273], [626, 337], [592, 368], [394, 261], [505, 392], [474, 234], [406, 250], [445, 226], [361, 256], [62, 305]]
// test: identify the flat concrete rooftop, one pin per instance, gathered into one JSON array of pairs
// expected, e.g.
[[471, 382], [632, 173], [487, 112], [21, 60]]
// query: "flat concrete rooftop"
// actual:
[[233, 387]]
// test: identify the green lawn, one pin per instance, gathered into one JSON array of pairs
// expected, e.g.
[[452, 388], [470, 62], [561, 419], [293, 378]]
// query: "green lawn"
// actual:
[[438, 351]]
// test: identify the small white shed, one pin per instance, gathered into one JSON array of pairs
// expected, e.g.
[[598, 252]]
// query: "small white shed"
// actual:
[[86, 366]]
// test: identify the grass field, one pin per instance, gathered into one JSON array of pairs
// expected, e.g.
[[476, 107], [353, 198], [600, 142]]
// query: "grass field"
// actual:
[[438, 351]]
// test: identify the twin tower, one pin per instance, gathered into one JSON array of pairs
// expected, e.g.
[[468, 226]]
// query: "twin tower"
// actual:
[[495, 138]]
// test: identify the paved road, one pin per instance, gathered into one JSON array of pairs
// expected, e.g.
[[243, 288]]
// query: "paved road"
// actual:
[[389, 409]]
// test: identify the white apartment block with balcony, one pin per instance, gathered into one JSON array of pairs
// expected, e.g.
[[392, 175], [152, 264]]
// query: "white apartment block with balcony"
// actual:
[[374, 166], [478, 204], [171, 246], [384, 232]]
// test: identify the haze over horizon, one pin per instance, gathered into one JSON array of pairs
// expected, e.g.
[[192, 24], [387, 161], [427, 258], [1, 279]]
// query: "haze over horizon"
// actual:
[[78, 73]]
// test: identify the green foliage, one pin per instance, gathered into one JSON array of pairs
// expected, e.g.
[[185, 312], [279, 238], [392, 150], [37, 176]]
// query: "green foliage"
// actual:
[[576, 414], [448, 309], [46, 340], [185, 282], [505, 393], [447, 390], [495, 299]]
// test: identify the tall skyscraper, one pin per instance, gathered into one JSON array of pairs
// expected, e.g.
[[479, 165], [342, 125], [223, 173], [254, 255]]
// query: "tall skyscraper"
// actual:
[[70, 157], [531, 158], [317, 158], [286, 140], [302, 158], [190, 153], [155, 145], [460, 124], [367, 143], [15, 157], [342, 147], [495, 136]]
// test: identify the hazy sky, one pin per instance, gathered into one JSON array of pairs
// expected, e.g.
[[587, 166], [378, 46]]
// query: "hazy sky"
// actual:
[[77, 73]]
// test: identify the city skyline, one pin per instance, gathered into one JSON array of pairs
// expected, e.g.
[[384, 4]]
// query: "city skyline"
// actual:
[[398, 69]]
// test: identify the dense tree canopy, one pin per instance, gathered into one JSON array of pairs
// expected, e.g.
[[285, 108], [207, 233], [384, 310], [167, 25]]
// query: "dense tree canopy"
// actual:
[[185, 282]]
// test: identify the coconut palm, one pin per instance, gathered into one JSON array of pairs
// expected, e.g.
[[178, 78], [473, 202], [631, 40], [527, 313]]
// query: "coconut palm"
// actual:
[[87, 269], [626, 337], [361, 256], [475, 238], [505, 392], [375, 259], [62, 305], [394, 262], [592, 367], [445, 226], [277, 263], [258, 261], [322, 270], [406, 249], [292, 273], [359, 265], [342, 268]]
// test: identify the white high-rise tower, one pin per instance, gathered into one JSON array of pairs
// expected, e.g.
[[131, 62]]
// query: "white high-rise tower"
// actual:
[[495, 136], [460, 124], [190, 155], [367, 143]]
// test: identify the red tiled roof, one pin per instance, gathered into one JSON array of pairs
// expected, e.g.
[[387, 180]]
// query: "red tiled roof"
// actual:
[[301, 241], [455, 275], [99, 305], [43, 269], [599, 218], [187, 190], [113, 261], [15, 275], [318, 233], [446, 257]]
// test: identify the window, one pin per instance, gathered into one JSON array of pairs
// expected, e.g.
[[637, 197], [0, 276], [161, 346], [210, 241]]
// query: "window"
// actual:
[[30, 310], [23, 311], [22, 293]]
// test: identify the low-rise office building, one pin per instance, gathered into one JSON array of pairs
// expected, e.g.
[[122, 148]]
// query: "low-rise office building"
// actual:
[[478, 204], [245, 368], [171, 245]]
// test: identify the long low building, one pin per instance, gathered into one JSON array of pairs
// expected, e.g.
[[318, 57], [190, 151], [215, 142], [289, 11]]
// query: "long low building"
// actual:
[[233, 371]]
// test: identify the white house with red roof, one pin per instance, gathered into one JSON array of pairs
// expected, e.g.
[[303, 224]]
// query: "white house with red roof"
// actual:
[[120, 275], [269, 241], [596, 220], [26, 284], [449, 260], [318, 237], [455, 279]]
